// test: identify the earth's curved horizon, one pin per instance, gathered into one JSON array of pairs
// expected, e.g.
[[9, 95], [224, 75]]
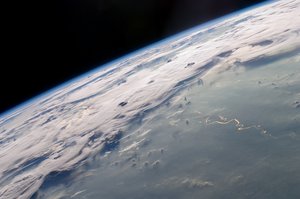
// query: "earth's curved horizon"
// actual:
[[213, 112]]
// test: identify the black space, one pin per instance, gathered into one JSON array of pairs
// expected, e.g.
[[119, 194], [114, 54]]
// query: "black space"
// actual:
[[45, 43]]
